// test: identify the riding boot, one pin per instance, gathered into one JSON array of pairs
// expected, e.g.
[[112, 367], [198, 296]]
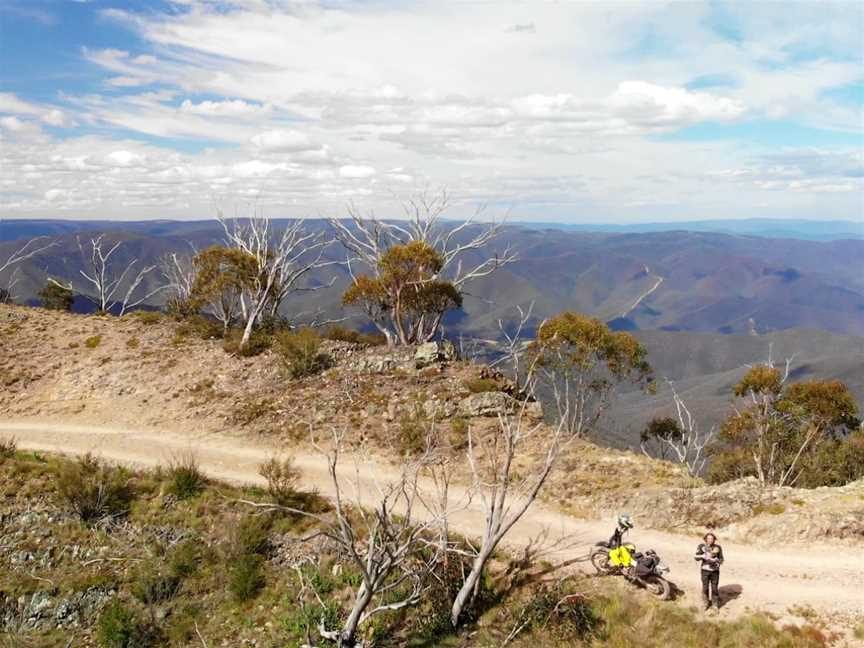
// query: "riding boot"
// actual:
[[706, 602], [716, 603]]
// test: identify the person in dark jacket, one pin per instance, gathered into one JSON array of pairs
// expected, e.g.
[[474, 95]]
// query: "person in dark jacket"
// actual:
[[710, 555]]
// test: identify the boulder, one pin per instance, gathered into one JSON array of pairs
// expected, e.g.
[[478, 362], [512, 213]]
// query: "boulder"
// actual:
[[432, 352], [485, 404]]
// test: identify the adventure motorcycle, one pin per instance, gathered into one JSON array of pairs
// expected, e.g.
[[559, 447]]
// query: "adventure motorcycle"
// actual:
[[646, 570]]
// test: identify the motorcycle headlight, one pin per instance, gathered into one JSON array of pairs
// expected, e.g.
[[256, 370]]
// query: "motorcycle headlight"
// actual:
[[662, 567]]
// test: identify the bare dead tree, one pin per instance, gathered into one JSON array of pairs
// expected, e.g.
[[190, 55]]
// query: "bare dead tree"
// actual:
[[178, 272], [281, 260], [366, 239], [506, 493], [382, 536], [688, 442], [102, 274], [28, 250]]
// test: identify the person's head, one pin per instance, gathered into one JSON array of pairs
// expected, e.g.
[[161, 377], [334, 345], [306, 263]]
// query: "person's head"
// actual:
[[709, 538]]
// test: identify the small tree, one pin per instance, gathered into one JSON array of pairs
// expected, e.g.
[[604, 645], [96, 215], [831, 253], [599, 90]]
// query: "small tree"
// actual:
[[682, 438], [434, 260], [280, 261], [780, 427], [221, 277], [56, 297], [657, 437], [581, 361], [404, 300]]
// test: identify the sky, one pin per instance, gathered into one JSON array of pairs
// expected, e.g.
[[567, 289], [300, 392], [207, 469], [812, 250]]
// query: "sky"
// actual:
[[571, 111]]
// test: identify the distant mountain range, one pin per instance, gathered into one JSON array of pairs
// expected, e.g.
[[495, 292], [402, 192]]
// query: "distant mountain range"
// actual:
[[669, 281], [809, 230]]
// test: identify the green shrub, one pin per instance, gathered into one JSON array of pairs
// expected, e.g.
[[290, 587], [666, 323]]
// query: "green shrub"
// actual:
[[481, 385], [119, 627], [93, 341], [859, 631], [300, 352], [258, 343], [412, 434], [132, 343], [251, 536], [94, 490], [56, 297], [154, 585], [8, 447], [185, 478], [200, 327], [251, 410], [148, 318], [184, 558], [771, 509], [342, 334], [282, 479], [245, 577]]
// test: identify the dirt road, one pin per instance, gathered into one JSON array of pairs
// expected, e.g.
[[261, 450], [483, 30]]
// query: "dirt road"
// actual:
[[753, 578]]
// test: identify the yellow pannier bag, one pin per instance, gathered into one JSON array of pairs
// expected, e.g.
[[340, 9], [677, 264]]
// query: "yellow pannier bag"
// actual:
[[621, 557]]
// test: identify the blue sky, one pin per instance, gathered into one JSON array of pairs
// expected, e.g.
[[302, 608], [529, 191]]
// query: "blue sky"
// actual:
[[591, 111]]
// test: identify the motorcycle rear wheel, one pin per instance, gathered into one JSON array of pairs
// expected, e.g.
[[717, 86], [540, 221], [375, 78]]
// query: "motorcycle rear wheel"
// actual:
[[600, 560], [658, 586]]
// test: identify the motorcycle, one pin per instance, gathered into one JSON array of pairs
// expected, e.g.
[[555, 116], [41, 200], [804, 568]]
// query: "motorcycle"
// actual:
[[646, 570]]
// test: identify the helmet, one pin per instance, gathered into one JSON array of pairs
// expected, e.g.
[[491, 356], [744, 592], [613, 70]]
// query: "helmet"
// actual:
[[625, 521]]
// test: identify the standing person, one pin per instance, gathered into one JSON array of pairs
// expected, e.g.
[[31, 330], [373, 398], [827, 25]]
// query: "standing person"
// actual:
[[711, 556]]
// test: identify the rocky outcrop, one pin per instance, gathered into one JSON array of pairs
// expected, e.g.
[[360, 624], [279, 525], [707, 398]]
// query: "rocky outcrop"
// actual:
[[433, 352]]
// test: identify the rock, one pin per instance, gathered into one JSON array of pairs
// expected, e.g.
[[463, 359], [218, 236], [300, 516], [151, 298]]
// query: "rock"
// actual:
[[485, 404], [432, 352], [439, 409]]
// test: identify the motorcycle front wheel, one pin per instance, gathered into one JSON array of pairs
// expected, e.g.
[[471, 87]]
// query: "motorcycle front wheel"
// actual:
[[600, 560], [658, 586]]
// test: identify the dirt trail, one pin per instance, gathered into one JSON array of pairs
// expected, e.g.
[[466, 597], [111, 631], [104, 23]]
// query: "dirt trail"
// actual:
[[753, 578]]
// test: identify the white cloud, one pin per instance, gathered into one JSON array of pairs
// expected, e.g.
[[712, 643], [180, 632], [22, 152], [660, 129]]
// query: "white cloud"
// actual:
[[561, 108], [283, 141], [12, 104], [232, 108], [356, 171]]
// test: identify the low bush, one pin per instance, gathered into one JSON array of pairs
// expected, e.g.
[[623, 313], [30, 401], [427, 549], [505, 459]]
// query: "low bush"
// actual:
[[154, 584], [93, 341], [300, 353], [94, 490], [132, 343], [184, 558], [251, 410], [245, 577], [413, 431], [148, 318], [258, 343], [120, 627], [250, 536], [185, 478], [342, 334], [200, 327], [282, 479], [481, 385], [8, 447], [56, 297]]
